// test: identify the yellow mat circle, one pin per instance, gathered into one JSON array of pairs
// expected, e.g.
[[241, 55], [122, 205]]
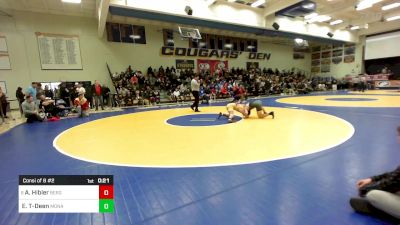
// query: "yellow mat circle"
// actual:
[[144, 139], [322, 100]]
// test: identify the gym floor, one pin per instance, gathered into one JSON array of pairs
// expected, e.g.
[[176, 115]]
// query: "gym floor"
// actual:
[[172, 166]]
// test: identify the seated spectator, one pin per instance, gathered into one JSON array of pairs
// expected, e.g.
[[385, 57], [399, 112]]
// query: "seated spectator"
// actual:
[[224, 91], [155, 97], [380, 195], [82, 105], [213, 95], [301, 88], [204, 95], [30, 110], [49, 107], [176, 95]]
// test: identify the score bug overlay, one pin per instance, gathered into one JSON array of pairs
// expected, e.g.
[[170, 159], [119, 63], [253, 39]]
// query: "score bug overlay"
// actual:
[[66, 194]]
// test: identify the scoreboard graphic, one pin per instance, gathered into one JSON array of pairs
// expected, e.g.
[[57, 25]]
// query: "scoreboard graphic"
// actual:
[[66, 194]]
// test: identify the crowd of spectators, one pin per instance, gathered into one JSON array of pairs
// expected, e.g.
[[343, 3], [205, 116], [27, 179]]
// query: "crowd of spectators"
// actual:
[[135, 87], [38, 103]]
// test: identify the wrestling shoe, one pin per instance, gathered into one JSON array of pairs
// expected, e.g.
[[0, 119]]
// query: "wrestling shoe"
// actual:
[[361, 205], [219, 116], [272, 114], [230, 120], [192, 107]]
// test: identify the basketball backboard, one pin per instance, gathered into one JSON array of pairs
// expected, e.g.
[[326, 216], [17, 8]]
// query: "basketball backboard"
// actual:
[[188, 32]]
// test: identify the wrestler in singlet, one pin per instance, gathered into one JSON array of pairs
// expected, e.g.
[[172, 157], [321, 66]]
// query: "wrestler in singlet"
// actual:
[[244, 108]]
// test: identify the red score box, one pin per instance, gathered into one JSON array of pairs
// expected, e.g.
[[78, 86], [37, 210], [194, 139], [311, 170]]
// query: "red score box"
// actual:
[[106, 192]]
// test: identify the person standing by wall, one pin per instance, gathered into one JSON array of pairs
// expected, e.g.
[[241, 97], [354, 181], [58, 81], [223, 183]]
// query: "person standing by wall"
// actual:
[[48, 92], [97, 94], [64, 94], [3, 103], [32, 91], [106, 95], [21, 98], [195, 87]]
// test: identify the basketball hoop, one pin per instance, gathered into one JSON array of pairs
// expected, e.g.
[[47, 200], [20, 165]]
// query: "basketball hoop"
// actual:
[[190, 33]]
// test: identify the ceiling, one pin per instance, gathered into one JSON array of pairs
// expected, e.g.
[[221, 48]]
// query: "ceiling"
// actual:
[[346, 11], [87, 8], [337, 9]]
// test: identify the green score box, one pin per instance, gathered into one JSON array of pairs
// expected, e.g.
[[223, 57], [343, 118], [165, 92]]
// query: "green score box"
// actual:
[[106, 205]]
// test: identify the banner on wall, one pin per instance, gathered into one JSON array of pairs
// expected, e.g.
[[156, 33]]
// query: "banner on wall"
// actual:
[[204, 65], [59, 51], [184, 64], [349, 58], [252, 65], [210, 53], [388, 83], [4, 56], [298, 55], [375, 77]]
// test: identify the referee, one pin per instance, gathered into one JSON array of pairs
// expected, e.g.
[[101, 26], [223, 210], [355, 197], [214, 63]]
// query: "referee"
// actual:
[[195, 86]]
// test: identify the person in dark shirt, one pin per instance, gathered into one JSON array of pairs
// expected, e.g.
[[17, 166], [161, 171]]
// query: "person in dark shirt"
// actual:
[[106, 95], [21, 98], [380, 194], [49, 107], [48, 93], [64, 94], [3, 104]]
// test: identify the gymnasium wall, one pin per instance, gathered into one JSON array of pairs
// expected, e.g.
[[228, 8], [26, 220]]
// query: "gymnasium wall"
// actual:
[[342, 69], [25, 62]]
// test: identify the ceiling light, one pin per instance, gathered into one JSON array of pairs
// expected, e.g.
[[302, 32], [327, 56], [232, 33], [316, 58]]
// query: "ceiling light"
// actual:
[[298, 40], [228, 45], [336, 22], [310, 5], [369, 2], [323, 18], [251, 47], [354, 27], [202, 44], [362, 7], [320, 18], [366, 4], [231, 0], [310, 16], [393, 18], [72, 1], [391, 6], [257, 3], [134, 36]]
